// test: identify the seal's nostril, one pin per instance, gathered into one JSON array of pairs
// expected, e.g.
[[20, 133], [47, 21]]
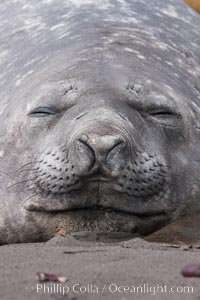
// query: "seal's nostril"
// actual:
[[100, 145], [115, 145], [88, 150], [86, 144]]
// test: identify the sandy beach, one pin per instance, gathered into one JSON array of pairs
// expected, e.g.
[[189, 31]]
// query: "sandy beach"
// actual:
[[132, 269]]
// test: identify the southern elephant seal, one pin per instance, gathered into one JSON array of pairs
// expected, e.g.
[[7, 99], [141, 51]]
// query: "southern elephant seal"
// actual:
[[100, 116]]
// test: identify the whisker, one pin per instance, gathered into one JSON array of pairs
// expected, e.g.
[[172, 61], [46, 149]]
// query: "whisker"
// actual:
[[29, 170], [29, 198], [32, 162], [32, 188], [31, 184], [23, 181]]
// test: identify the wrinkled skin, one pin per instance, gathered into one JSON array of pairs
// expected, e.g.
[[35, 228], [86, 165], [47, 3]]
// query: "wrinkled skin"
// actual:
[[100, 117]]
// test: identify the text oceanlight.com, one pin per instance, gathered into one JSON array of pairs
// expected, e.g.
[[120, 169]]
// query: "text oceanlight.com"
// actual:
[[111, 288]]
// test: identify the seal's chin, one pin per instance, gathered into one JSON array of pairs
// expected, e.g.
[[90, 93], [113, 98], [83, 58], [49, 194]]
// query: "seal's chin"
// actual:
[[106, 222], [102, 220]]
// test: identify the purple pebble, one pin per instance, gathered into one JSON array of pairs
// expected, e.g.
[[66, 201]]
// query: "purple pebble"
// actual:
[[192, 270]]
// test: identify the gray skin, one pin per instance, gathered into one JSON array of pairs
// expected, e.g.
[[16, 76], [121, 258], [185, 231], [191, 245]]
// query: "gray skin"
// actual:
[[100, 116]]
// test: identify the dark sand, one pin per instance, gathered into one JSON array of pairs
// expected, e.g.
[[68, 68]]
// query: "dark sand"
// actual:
[[129, 263]]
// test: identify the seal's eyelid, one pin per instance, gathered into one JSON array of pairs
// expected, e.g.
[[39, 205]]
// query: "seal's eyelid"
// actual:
[[42, 111], [163, 111]]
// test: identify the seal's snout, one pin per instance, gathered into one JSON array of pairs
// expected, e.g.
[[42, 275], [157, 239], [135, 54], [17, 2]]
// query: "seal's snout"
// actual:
[[100, 150]]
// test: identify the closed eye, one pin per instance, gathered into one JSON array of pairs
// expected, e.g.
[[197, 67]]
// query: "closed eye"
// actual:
[[165, 116], [163, 113], [42, 111]]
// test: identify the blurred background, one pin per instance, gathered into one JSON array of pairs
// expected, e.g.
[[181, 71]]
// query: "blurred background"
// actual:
[[195, 4]]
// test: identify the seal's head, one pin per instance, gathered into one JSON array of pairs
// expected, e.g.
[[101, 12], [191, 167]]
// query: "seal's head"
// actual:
[[105, 156]]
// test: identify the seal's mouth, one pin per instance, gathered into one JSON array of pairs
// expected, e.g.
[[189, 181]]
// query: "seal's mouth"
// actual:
[[103, 198], [90, 209], [98, 180], [98, 209]]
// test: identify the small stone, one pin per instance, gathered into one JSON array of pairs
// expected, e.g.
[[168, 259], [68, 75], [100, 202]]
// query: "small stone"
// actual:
[[192, 270], [49, 277]]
